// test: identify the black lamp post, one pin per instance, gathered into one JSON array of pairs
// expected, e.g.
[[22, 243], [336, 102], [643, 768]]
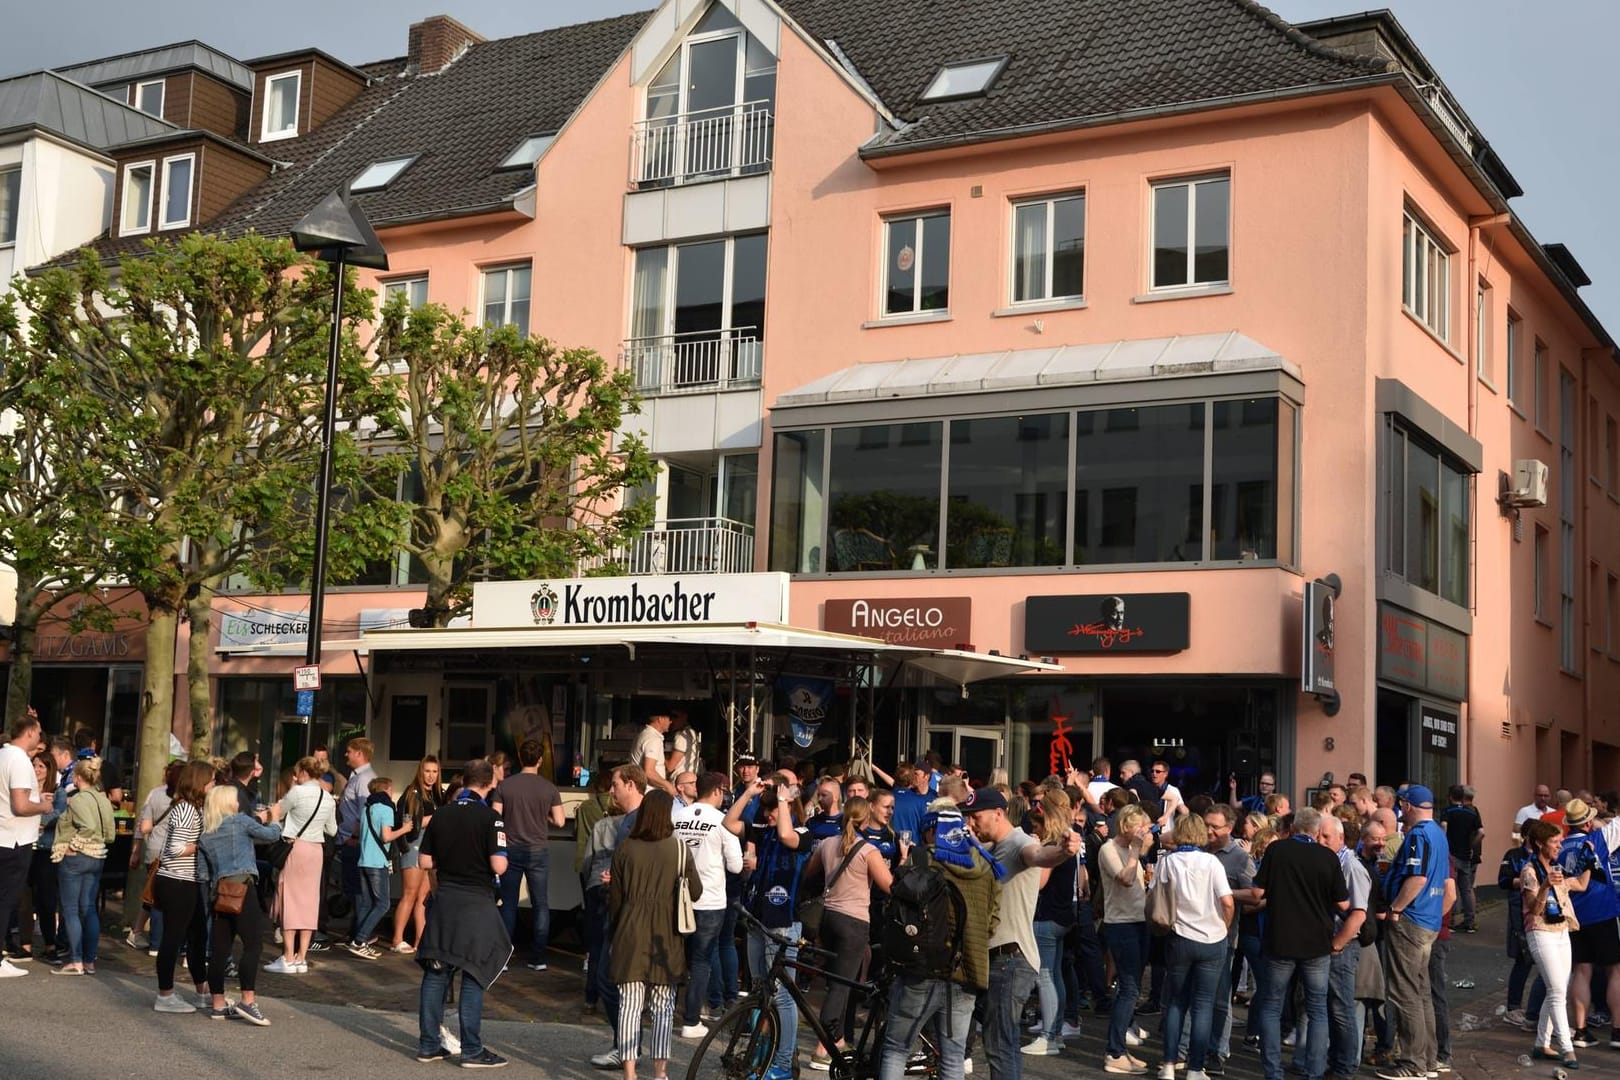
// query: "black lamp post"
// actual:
[[338, 233]]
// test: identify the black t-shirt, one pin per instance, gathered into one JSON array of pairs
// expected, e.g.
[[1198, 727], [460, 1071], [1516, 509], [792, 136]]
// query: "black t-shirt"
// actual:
[[1303, 885], [460, 840], [1461, 823], [246, 801]]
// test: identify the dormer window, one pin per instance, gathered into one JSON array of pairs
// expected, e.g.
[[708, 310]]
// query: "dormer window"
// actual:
[[149, 97], [379, 174], [972, 78], [528, 151], [175, 196], [281, 106], [135, 212]]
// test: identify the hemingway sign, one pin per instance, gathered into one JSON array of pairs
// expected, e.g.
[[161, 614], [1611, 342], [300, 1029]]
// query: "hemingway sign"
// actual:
[[929, 622], [653, 600]]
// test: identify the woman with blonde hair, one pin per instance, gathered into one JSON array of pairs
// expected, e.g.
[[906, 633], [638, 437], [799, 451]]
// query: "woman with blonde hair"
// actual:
[[850, 868], [83, 832], [308, 815], [1057, 906], [1196, 948], [1125, 929], [227, 858], [416, 806]]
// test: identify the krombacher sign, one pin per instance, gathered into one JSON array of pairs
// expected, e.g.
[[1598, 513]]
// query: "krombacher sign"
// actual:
[[653, 600]]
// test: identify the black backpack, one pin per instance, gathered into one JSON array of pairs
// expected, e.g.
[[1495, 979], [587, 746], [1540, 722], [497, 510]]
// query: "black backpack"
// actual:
[[925, 922]]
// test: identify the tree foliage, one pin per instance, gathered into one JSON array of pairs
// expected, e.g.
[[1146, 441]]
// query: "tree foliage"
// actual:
[[513, 449]]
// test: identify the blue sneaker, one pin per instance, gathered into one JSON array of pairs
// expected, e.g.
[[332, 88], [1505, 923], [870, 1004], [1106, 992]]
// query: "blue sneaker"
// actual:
[[775, 1073], [426, 1056]]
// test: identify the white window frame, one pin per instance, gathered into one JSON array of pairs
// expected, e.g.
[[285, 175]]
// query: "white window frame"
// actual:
[[124, 227], [484, 273], [527, 152], [265, 134], [1512, 373], [1540, 544], [917, 218], [16, 209], [1048, 201], [163, 87], [939, 87], [163, 192], [1190, 185], [403, 284], [1424, 258], [1482, 331], [387, 169]]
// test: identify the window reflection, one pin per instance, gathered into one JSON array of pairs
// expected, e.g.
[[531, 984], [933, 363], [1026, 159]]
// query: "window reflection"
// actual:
[[1139, 485], [1243, 495], [1008, 491], [884, 497]]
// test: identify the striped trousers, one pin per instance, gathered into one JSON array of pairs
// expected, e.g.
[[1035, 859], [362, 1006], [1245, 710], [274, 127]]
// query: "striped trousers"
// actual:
[[633, 997]]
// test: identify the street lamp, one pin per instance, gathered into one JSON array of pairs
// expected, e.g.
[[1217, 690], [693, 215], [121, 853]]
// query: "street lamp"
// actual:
[[338, 233]]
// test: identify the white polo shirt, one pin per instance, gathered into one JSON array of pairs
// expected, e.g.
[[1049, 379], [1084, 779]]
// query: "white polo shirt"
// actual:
[[16, 771]]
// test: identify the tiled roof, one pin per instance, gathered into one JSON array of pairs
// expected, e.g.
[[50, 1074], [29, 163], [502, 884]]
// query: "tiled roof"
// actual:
[[129, 66], [47, 101], [1069, 60]]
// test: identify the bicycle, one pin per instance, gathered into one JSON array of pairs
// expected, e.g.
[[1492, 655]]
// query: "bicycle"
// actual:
[[740, 1045]]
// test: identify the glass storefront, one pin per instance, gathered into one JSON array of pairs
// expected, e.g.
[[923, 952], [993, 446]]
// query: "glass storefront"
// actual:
[[260, 714]]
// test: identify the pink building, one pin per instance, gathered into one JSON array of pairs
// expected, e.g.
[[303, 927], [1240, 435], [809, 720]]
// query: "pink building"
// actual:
[[1101, 352]]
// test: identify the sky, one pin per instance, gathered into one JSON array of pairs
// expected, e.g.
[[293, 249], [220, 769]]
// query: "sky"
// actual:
[[1537, 78]]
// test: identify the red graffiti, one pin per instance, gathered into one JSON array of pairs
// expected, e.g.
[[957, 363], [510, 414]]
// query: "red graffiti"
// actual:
[[1107, 635], [1062, 748]]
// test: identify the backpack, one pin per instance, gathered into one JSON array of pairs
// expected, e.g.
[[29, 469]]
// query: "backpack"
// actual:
[[925, 923]]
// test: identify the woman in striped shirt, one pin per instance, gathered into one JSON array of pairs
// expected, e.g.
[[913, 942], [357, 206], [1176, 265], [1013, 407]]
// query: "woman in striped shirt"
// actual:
[[177, 895]]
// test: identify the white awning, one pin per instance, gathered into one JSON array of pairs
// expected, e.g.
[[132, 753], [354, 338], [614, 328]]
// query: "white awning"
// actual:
[[949, 664]]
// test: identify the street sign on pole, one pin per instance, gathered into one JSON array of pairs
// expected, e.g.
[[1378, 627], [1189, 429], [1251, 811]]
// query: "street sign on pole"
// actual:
[[307, 677], [306, 703]]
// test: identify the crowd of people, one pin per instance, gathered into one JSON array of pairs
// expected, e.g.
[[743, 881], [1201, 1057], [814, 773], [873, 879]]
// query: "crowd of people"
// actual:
[[1104, 891]]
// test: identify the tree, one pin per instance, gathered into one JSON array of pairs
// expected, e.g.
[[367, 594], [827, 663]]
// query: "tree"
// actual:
[[207, 359], [513, 448], [52, 497]]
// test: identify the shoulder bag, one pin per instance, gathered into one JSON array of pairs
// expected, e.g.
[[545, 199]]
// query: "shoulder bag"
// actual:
[[1161, 904], [230, 894], [149, 890], [812, 908], [282, 848], [685, 906]]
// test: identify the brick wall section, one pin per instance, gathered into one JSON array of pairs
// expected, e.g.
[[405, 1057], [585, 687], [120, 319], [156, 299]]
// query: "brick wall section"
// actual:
[[437, 40]]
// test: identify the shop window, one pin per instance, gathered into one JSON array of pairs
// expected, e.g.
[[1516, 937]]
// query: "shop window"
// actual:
[[1427, 514], [1251, 496], [1008, 496], [1139, 487], [798, 501], [883, 500]]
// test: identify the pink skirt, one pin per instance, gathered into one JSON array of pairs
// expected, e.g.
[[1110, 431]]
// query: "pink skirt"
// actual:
[[298, 892]]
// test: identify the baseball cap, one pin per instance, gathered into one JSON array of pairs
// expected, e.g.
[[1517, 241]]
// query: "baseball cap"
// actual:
[[986, 798], [747, 759], [1576, 812], [1419, 796]]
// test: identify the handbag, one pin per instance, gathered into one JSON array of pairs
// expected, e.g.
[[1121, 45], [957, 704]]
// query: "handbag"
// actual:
[[1161, 905], [229, 896], [282, 849], [685, 907], [149, 890], [812, 908]]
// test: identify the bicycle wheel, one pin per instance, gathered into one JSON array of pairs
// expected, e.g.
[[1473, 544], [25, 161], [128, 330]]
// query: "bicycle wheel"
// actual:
[[739, 1045]]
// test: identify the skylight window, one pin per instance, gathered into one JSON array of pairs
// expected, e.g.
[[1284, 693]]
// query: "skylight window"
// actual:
[[379, 174], [967, 79], [528, 151]]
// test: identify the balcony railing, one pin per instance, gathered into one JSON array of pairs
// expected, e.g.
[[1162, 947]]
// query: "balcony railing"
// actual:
[[698, 362], [710, 144], [687, 546]]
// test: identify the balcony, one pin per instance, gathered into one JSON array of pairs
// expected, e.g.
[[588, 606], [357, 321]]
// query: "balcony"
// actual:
[[698, 362], [687, 546], [712, 144]]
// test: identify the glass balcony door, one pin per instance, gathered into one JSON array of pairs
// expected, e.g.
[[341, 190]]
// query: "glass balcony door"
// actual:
[[697, 315]]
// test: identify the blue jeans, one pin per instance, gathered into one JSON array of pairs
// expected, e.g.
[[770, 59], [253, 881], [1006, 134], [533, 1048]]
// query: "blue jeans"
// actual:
[[913, 1003], [702, 947], [1344, 1033], [1314, 977], [761, 955], [1011, 980], [1249, 949], [1193, 970], [534, 863], [430, 1010], [1049, 980], [723, 976], [80, 879], [1128, 944], [372, 904], [594, 925]]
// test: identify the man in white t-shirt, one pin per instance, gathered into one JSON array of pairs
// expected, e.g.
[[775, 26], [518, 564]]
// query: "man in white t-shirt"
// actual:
[[19, 821], [685, 753], [1541, 805], [648, 753], [716, 852], [1014, 959]]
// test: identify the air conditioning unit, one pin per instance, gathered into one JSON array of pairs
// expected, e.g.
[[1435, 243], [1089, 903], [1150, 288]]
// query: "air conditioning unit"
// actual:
[[1529, 483]]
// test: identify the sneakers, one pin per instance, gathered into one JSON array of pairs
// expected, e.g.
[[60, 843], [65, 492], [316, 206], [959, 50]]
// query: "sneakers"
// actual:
[[536, 966], [137, 941], [821, 1062], [224, 1012], [1136, 1036], [68, 969], [774, 1073], [1123, 1065], [1515, 1017], [1152, 1008], [450, 1042], [1614, 1038], [693, 1031], [1070, 1031], [404, 948], [1444, 1065], [1044, 1047], [278, 935], [319, 946], [8, 970], [303, 967], [250, 1012], [484, 1059], [282, 966], [172, 1003], [1197, 1074], [612, 1060], [1214, 1065], [441, 1054], [364, 951], [1167, 1071], [1401, 1072], [967, 1066], [1584, 1037]]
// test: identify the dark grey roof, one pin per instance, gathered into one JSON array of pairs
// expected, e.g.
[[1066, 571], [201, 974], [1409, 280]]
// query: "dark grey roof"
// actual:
[[47, 101], [127, 67], [1069, 61]]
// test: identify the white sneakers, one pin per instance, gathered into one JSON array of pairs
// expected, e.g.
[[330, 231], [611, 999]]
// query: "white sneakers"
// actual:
[[172, 1003], [693, 1031], [450, 1042], [1167, 1071], [8, 970], [282, 966], [1044, 1047]]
